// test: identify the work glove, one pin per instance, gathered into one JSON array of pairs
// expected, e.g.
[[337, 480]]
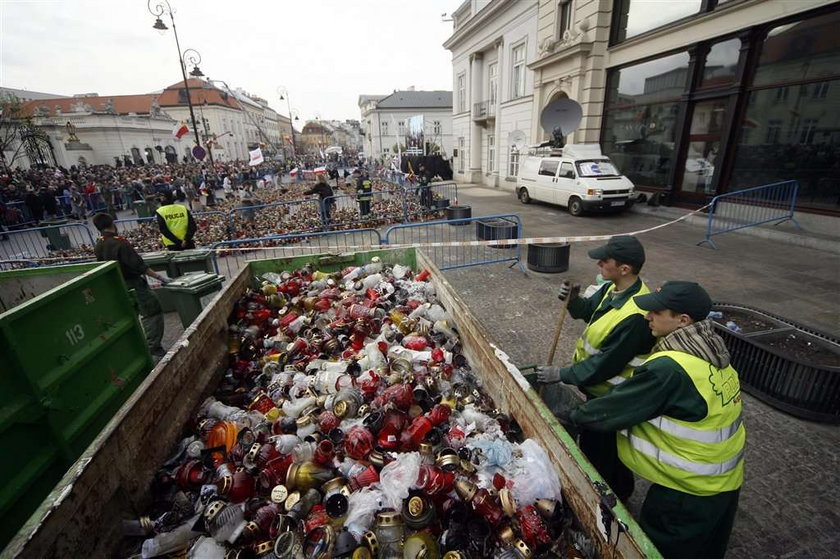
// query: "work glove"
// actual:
[[568, 290], [549, 374]]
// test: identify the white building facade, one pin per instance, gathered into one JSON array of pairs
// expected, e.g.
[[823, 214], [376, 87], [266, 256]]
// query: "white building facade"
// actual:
[[385, 126], [493, 89]]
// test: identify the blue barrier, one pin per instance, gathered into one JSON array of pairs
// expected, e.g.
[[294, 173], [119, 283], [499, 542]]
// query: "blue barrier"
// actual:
[[774, 202], [53, 243], [234, 254], [449, 257]]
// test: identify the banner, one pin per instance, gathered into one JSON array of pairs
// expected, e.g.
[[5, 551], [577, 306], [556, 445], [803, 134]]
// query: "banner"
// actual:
[[256, 157]]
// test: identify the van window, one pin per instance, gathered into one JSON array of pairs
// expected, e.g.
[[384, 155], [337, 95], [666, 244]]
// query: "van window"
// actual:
[[597, 168], [548, 167], [565, 169]]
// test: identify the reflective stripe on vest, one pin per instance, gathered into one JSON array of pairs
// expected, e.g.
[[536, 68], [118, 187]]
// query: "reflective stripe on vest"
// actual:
[[175, 216], [702, 457], [699, 468], [597, 331]]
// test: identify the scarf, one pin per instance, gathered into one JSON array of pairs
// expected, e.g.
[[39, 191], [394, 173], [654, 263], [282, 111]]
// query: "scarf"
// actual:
[[698, 339]]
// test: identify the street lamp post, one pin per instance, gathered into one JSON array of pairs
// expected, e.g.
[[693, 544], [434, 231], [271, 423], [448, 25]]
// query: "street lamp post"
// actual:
[[192, 55], [284, 94]]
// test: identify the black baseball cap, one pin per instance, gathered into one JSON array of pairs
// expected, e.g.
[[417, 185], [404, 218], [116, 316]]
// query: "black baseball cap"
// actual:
[[625, 249], [684, 297]]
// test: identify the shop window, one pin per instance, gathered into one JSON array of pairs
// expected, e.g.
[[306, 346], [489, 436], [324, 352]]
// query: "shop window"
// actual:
[[800, 51], [721, 63], [641, 118], [633, 17], [790, 147]]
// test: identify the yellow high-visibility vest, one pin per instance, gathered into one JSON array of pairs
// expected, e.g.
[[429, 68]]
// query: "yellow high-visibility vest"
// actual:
[[596, 332], [175, 216], [703, 457]]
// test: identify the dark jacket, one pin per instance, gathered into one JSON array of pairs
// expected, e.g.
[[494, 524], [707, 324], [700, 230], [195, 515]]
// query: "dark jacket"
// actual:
[[322, 189]]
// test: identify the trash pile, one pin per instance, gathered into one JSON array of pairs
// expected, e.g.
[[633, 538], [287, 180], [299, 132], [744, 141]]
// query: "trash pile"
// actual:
[[350, 424]]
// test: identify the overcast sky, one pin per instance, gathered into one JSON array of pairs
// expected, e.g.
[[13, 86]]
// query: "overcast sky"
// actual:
[[325, 52]]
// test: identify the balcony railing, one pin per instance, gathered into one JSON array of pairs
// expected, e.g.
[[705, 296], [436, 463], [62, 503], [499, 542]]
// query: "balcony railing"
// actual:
[[484, 110]]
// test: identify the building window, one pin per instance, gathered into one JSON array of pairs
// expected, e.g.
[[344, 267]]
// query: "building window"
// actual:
[[436, 128], [820, 90], [401, 128], [493, 83], [564, 17], [513, 162], [462, 93], [491, 153], [517, 76], [461, 155], [384, 128], [809, 128], [633, 17], [642, 106]]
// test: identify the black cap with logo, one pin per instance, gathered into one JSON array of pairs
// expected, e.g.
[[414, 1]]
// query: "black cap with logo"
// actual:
[[625, 249], [684, 297]]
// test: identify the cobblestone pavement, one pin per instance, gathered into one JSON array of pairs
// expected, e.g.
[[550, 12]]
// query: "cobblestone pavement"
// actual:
[[788, 506]]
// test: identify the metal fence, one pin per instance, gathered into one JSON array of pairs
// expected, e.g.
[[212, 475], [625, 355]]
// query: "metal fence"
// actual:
[[492, 227], [283, 217], [750, 207], [230, 256], [53, 244]]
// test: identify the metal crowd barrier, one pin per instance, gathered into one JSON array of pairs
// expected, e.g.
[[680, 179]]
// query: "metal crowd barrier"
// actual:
[[491, 227], [54, 243], [386, 206], [230, 256], [750, 207], [302, 213]]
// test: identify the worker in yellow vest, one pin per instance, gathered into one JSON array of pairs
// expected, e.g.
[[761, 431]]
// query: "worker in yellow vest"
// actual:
[[176, 223], [616, 340], [679, 425]]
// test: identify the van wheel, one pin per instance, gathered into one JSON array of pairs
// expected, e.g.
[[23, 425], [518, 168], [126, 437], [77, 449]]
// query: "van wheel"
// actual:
[[523, 196], [575, 206]]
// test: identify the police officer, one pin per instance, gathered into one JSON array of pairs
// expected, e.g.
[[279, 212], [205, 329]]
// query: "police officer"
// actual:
[[678, 423], [176, 223], [616, 340], [134, 269], [364, 192]]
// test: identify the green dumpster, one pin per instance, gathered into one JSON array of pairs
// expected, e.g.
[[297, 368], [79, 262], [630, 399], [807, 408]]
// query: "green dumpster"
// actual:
[[186, 261], [71, 352], [191, 293], [59, 240], [142, 208], [161, 261]]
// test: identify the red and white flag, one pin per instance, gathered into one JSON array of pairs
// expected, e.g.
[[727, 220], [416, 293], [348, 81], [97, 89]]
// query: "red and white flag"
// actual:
[[294, 172], [256, 157], [320, 170], [180, 130]]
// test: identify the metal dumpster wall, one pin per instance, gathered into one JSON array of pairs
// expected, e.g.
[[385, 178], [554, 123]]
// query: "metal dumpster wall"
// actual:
[[19, 286], [81, 516]]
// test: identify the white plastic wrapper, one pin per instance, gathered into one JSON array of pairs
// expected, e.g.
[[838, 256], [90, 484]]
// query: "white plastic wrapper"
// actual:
[[400, 271], [535, 477], [397, 477], [206, 548], [362, 506]]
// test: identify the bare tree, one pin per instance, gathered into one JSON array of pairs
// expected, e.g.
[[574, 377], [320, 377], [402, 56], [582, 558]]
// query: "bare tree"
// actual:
[[11, 119]]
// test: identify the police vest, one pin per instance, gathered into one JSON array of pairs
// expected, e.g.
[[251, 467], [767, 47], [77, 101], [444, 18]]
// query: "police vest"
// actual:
[[364, 193], [703, 457], [175, 216], [596, 332]]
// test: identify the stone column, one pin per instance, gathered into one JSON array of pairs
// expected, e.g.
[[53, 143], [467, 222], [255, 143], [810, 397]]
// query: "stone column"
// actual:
[[501, 143], [475, 96]]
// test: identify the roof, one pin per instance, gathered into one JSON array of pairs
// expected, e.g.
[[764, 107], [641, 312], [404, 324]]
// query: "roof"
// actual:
[[122, 104], [416, 100], [201, 93], [26, 95], [367, 98]]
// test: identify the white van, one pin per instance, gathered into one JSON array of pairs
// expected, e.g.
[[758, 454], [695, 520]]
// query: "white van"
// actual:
[[578, 176]]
